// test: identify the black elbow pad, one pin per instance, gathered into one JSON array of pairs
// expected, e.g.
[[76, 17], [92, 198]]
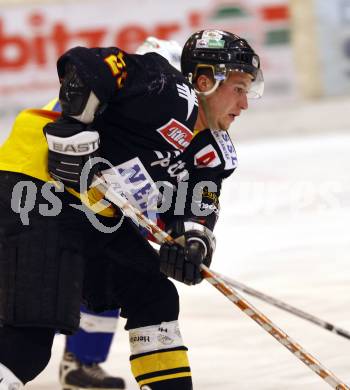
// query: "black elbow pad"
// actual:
[[76, 98]]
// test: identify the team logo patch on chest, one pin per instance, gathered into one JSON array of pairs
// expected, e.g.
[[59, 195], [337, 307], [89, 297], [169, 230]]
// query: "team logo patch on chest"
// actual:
[[177, 134]]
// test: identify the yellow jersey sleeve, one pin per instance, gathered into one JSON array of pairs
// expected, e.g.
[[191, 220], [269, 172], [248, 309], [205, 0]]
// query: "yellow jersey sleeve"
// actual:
[[51, 105], [25, 151]]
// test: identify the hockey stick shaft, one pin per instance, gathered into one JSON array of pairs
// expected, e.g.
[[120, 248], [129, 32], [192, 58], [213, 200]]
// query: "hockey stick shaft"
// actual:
[[226, 290], [285, 306], [273, 330]]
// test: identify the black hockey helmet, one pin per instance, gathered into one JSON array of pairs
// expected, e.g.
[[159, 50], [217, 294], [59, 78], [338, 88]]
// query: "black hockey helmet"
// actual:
[[223, 52]]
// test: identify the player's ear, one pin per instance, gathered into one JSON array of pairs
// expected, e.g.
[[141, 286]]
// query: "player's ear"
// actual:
[[204, 83]]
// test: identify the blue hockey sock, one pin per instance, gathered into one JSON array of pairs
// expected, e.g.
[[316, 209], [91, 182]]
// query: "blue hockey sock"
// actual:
[[91, 344]]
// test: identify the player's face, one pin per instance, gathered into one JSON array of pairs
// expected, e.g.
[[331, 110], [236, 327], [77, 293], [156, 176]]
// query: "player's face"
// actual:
[[230, 98]]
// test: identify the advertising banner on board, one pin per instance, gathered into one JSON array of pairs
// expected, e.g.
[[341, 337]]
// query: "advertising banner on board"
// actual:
[[32, 36]]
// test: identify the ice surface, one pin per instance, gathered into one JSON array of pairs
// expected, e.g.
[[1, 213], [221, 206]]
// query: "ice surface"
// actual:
[[284, 229]]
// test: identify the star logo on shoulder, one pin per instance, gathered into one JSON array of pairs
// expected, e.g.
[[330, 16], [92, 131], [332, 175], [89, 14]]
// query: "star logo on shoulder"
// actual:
[[188, 94]]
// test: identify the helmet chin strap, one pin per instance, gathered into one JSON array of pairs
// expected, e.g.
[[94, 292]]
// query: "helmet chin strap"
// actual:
[[211, 90], [203, 99], [206, 110]]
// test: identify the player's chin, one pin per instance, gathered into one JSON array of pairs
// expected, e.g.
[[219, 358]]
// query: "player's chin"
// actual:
[[232, 117], [228, 121]]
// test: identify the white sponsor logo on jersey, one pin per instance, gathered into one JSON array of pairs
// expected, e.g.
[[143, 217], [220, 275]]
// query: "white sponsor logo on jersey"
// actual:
[[176, 134], [135, 183], [228, 151], [188, 94], [207, 158], [176, 169]]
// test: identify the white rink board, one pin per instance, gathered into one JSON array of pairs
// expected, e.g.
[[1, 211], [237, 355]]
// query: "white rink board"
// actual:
[[294, 246]]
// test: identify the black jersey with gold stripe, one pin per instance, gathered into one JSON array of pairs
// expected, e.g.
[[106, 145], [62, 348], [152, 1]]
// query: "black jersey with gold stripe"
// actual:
[[146, 126], [146, 103]]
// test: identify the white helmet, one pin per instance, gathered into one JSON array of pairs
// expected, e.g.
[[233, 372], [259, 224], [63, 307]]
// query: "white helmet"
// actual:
[[170, 50]]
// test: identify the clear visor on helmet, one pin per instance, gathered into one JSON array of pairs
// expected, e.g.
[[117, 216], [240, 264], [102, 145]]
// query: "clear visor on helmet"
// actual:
[[257, 86], [255, 89]]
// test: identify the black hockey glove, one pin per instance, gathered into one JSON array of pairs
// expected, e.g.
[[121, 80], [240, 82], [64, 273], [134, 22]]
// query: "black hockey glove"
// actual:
[[71, 145], [182, 263]]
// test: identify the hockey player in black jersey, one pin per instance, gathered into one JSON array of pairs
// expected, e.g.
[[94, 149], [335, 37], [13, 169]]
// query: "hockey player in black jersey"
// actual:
[[140, 115], [88, 348]]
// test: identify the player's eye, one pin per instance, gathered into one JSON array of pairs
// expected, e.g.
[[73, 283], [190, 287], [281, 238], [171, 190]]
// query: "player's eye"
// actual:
[[240, 91]]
